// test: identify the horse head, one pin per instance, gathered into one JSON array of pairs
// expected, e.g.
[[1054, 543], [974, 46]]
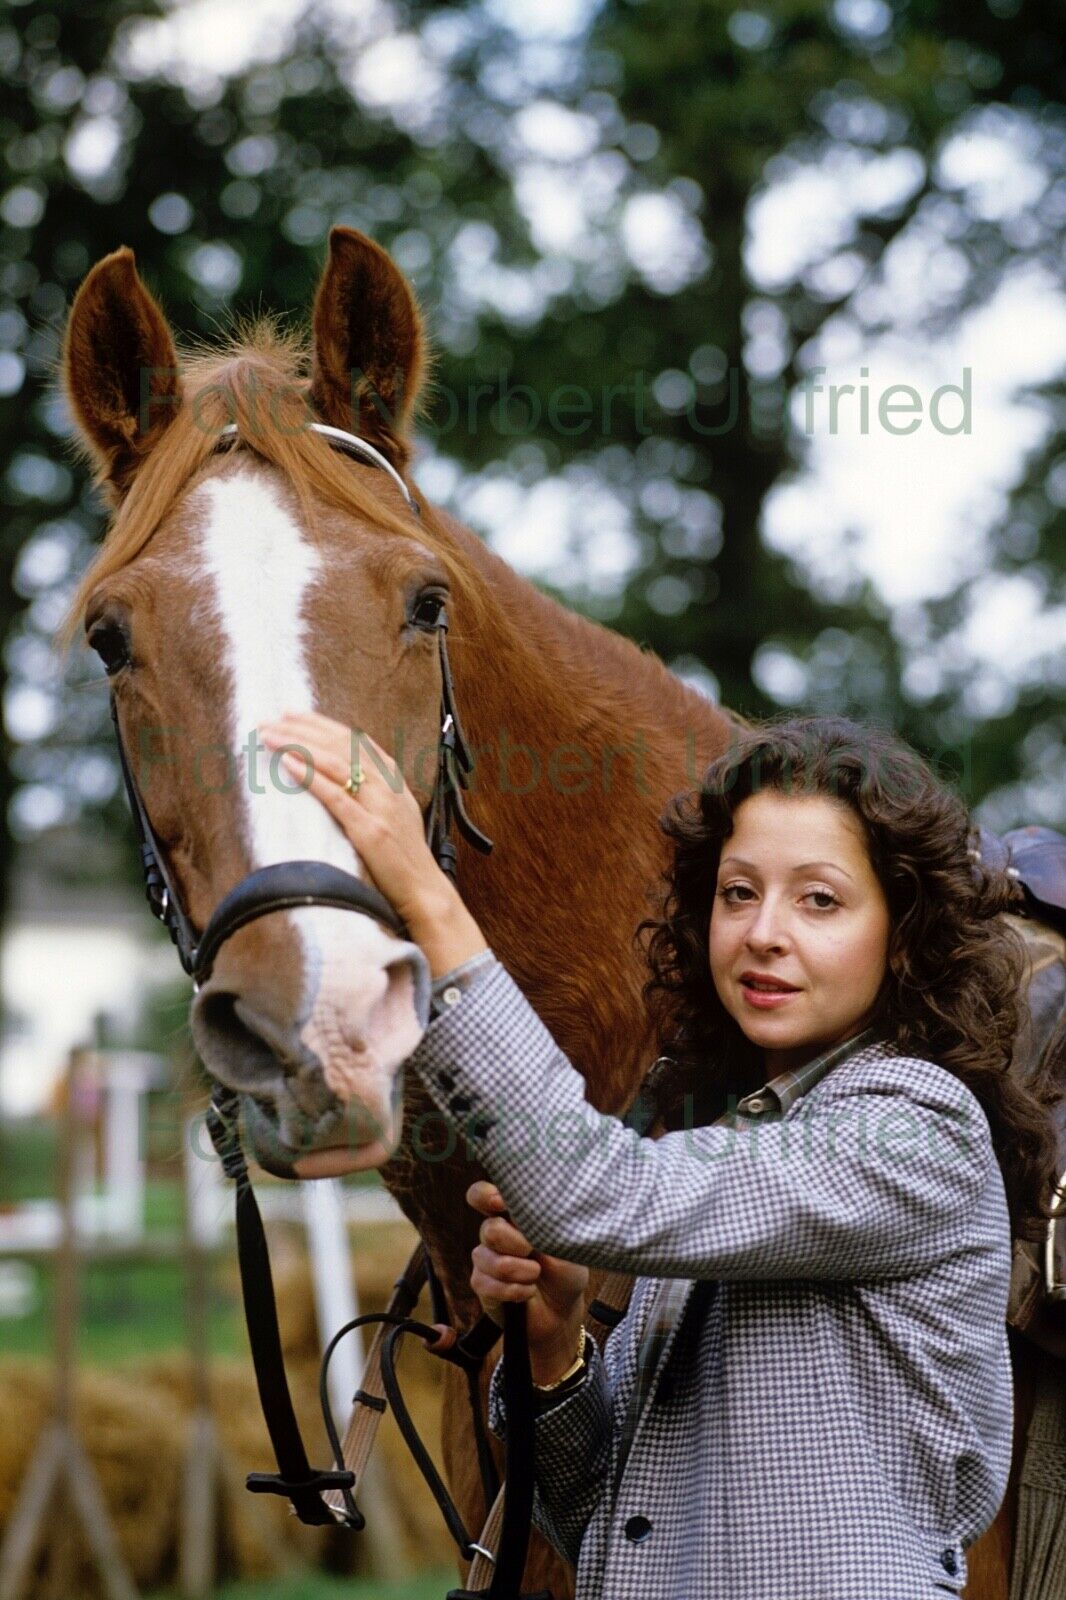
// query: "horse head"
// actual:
[[251, 568]]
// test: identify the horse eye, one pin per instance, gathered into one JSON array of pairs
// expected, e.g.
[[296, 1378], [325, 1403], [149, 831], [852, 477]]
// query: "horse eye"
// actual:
[[429, 610], [111, 645]]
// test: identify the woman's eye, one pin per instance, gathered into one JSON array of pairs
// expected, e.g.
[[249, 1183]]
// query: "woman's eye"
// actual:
[[112, 646], [428, 611], [740, 894]]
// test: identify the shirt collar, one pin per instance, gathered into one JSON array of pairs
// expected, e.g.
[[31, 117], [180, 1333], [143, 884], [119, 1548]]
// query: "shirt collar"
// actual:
[[784, 1090]]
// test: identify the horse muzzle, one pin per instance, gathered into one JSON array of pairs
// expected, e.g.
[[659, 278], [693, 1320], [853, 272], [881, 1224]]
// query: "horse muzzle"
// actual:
[[288, 1143]]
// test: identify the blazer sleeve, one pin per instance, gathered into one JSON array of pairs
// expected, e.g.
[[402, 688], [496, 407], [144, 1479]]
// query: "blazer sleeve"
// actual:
[[571, 1453], [878, 1182]]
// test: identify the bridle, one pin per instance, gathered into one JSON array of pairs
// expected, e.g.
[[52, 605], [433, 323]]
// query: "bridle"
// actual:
[[281, 887], [286, 884]]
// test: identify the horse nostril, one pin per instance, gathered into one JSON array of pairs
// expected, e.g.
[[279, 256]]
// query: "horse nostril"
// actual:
[[233, 1041], [365, 1019]]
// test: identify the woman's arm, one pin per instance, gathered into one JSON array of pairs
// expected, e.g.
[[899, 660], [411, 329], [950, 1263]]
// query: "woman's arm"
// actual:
[[445, 930], [571, 1453], [878, 1183]]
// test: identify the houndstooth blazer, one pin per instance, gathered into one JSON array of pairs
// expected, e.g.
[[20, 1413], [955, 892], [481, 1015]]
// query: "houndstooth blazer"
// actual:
[[836, 1422]]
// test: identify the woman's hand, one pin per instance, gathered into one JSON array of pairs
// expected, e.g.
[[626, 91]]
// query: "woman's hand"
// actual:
[[506, 1267], [383, 820]]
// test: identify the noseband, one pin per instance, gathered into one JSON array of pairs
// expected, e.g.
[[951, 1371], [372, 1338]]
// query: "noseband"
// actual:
[[282, 887]]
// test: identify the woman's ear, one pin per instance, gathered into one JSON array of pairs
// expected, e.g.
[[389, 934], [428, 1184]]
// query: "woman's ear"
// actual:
[[369, 349], [120, 369]]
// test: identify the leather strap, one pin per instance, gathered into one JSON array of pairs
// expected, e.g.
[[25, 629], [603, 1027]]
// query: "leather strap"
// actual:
[[295, 1476], [283, 886]]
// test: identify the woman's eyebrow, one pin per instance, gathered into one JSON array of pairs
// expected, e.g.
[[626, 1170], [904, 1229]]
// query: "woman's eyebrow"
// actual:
[[806, 866]]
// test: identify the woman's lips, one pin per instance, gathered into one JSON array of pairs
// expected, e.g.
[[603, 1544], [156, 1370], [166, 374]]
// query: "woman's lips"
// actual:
[[767, 999]]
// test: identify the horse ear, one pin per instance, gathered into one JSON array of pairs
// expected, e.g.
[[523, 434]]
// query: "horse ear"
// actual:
[[369, 350], [120, 369]]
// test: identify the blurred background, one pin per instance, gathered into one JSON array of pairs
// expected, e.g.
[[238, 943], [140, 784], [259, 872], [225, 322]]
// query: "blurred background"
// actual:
[[701, 216]]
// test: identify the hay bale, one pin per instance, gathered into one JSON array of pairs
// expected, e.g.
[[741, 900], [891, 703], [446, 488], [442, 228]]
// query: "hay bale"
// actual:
[[378, 1258], [242, 1552], [133, 1437], [134, 1422], [25, 1404]]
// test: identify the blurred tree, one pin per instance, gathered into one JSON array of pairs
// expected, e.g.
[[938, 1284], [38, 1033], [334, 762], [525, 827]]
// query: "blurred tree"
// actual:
[[723, 102], [225, 187], [577, 215]]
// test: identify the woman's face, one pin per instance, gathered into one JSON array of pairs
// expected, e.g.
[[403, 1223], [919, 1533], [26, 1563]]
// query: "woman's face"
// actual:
[[797, 903]]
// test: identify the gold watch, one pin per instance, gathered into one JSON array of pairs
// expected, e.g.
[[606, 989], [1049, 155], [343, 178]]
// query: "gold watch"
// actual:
[[574, 1367]]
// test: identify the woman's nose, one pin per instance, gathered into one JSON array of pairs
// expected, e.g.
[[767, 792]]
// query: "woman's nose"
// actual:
[[767, 929]]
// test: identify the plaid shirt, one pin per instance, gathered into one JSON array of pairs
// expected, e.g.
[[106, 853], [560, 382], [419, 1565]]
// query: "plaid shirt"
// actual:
[[836, 1425]]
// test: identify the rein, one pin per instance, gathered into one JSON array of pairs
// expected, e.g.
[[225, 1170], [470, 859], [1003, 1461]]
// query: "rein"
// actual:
[[327, 1495]]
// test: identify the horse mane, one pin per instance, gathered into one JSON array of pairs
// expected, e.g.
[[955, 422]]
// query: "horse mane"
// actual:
[[259, 379]]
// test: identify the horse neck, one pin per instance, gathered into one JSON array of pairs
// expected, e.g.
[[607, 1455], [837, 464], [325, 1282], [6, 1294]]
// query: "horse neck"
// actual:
[[579, 739]]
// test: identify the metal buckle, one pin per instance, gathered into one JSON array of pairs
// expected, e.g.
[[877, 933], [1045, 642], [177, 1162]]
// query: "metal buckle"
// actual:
[[480, 1548]]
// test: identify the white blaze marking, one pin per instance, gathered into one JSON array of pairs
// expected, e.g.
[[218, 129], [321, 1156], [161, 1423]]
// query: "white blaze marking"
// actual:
[[263, 567]]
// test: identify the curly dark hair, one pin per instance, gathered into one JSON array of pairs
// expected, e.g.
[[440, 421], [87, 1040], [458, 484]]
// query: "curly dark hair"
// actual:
[[952, 985]]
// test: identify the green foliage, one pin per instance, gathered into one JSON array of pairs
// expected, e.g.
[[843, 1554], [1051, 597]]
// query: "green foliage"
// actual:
[[732, 93], [226, 188]]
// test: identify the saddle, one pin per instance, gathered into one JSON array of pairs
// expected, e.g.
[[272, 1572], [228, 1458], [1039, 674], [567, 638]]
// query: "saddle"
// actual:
[[1035, 858]]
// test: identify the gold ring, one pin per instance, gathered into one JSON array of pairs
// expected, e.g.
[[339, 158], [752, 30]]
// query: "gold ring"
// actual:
[[352, 785]]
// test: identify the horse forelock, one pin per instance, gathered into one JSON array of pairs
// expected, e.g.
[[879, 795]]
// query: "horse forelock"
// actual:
[[258, 380]]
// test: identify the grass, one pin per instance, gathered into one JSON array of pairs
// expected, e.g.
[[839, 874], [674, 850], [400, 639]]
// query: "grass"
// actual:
[[127, 1309], [27, 1159]]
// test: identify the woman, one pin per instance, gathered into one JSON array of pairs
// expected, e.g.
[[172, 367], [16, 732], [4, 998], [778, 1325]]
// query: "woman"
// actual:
[[810, 1395]]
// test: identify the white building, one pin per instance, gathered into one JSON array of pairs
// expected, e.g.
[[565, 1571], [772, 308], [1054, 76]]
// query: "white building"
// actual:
[[68, 952]]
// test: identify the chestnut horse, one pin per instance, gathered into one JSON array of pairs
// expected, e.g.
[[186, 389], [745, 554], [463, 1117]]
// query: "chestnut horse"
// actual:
[[236, 584]]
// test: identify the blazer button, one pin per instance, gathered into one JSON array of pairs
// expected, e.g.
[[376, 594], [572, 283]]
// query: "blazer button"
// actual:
[[949, 1563], [637, 1529]]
